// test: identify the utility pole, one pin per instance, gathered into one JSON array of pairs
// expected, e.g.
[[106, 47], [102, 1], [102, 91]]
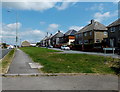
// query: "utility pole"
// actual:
[[16, 29], [16, 38]]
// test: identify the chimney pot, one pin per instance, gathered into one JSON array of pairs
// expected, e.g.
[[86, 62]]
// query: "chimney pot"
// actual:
[[92, 21]]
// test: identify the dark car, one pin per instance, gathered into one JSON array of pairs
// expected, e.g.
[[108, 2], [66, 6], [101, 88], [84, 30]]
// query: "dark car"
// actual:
[[118, 51]]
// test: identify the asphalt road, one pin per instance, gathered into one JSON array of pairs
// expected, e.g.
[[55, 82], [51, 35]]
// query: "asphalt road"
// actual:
[[20, 64], [82, 82], [3, 52], [90, 53]]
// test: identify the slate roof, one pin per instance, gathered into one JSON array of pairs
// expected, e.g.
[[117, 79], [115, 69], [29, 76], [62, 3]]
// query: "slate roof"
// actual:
[[70, 32], [115, 23], [93, 26], [58, 34]]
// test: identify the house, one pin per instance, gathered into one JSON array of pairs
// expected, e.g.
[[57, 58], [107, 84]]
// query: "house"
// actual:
[[57, 39], [25, 44], [93, 33], [69, 37], [114, 33], [43, 42], [49, 41]]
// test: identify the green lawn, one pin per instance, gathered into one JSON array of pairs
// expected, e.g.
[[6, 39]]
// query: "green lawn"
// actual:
[[67, 63]]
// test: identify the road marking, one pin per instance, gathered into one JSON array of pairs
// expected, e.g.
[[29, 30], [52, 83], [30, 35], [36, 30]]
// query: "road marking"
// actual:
[[35, 65]]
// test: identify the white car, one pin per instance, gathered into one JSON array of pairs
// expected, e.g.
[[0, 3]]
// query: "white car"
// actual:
[[64, 47]]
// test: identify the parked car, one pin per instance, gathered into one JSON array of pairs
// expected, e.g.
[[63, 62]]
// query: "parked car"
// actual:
[[118, 51], [50, 46], [64, 47], [10, 47]]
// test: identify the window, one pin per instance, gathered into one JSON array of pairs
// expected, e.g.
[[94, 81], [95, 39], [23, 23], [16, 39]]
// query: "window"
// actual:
[[119, 27], [91, 33], [97, 41], [80, 42], [105, 33], [85, 34], [118, 40], [112, 29], [85, 41], [76, 36]]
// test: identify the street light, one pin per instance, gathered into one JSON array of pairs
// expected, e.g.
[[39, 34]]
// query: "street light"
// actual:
[[16, 27]]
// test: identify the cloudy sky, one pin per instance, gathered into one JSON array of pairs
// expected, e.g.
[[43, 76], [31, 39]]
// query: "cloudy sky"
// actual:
[[35, 19]]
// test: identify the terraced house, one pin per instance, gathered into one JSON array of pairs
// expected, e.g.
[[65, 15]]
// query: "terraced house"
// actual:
[[114, 33], [93, 33]]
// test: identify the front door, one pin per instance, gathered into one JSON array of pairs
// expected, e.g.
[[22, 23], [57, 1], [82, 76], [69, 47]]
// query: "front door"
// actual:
[[112, 42]]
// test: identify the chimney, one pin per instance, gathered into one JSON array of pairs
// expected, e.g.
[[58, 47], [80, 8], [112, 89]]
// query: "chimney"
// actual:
[[92, 21]]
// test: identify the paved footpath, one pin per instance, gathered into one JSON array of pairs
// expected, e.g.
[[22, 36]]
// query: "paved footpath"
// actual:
[[20, 64]]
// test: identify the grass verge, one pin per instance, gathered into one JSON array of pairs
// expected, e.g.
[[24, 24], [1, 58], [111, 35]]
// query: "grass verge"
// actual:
[[5, 63], [68, 63]]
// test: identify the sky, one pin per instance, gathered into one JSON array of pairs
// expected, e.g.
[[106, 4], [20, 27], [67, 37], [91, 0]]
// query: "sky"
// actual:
[[35, 19]]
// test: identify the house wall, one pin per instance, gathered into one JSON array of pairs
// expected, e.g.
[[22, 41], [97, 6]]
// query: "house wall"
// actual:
[[25, 44], [89, 37], [98, 35], [114, 35], [69, 39], [78, 38]]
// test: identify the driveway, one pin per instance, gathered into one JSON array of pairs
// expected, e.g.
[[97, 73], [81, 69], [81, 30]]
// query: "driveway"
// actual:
[[20, 64], [91, 53], [81, 82]]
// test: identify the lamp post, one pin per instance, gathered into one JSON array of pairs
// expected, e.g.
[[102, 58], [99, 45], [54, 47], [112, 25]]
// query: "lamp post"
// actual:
[[16, 38]]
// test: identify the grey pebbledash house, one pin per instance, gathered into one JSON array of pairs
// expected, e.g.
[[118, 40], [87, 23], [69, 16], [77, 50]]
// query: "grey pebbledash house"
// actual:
[[114, 33]]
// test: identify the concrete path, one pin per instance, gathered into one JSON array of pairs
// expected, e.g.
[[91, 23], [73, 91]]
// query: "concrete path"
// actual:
[[82, 82], [20, 64], [90, 53]]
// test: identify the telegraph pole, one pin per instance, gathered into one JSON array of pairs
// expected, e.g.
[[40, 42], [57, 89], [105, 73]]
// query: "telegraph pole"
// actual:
[[16, 38]]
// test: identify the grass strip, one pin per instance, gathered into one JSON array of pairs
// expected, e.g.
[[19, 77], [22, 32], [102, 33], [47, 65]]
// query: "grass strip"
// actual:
[[6, 61]]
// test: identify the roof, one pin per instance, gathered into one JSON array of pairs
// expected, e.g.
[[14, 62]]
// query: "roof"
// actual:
[[93, 26], [58, 34], [115, 23], [25, 41], [70, 32], [44, 38], [50, 36]]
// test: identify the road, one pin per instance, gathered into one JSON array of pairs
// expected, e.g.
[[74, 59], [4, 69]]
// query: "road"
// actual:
[[90, 53], [3, 52], [81, 82], [20, 64]]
